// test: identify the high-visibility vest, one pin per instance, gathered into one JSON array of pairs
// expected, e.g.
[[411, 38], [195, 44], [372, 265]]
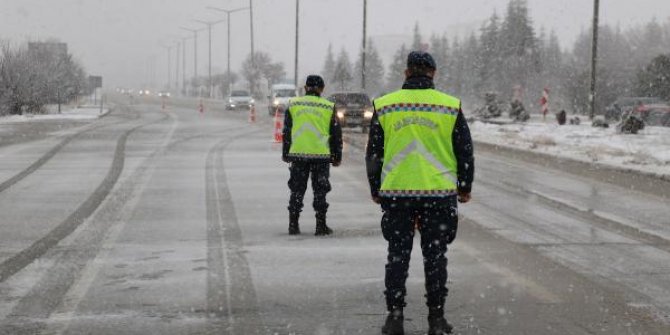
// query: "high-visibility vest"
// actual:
[[419, 160], [310, 133]]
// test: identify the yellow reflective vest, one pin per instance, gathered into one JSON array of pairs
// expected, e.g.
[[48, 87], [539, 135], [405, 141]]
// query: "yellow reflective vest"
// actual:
[[310, 133], [419, 160]]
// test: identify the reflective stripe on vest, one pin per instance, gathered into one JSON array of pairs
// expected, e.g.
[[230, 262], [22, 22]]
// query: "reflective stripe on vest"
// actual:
[[418, 154], [310, 133]]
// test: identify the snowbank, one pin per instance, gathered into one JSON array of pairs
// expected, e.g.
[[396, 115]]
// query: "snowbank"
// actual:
[[648, 151], [67, 113]]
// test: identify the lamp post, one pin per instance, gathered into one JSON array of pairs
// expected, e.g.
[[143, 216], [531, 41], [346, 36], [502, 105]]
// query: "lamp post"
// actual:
[[297, 38], [209, 28], [365, 52], [228, 12], [195, 49], [594, 57], [169, 68]]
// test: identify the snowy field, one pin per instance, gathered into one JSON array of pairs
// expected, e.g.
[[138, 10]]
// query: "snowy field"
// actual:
[[648, 151], [67, 113]]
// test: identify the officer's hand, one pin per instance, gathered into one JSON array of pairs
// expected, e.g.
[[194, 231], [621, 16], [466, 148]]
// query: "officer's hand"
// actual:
[[377, 200], [464, 197], [337, 163]]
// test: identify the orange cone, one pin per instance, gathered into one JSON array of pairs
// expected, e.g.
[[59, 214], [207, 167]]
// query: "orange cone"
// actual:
[[279, 124], [201, 107]]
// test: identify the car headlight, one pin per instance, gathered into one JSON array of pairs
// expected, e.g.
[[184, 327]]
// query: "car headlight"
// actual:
[[275, 102], [367, 114], [230, 101], [252, 101], [340, 113]]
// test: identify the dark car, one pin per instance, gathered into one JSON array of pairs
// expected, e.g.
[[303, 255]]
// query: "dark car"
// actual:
[[353, 109], [621, 105]]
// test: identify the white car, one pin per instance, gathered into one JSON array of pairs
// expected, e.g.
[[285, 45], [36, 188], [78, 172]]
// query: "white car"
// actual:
[[280, 94], [239, 100]]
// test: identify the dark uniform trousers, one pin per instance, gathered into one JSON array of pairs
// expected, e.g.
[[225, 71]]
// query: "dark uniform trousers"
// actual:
[[297, 183], [437, 227]]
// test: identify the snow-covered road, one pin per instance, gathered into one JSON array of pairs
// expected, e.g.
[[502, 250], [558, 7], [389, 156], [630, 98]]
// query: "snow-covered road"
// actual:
[[190, 237]]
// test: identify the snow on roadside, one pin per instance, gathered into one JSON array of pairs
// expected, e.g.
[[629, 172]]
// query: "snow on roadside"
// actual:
[[648, 151], [67, 113]]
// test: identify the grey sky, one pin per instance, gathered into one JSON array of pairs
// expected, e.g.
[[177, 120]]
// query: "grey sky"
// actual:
[[118, 38]]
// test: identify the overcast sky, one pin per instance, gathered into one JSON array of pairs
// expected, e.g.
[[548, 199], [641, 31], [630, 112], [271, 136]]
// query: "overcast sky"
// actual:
[[120, 39]]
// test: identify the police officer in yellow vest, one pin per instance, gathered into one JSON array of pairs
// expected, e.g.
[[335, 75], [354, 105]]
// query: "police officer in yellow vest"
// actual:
[[312, 142], [420, 165]]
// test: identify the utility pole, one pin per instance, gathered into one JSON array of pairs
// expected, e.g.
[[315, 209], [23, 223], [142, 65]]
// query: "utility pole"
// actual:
[[365, 38], [297, 39], [176, 79], [209, 28], [228, 12], [251, 28], [594, 57], [195, 50], [169, 68], [183, 66]]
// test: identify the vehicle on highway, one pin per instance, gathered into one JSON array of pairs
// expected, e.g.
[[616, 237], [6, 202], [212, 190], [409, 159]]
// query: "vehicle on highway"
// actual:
[[354, 109], [239, 100], [164, 94], [280, 95], [621, 105]]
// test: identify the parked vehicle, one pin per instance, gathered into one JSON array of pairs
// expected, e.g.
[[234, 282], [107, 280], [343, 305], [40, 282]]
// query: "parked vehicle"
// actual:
[[239, 100], [353, 109], [657, 115], [280, 95], [164, 94], [621, 105]]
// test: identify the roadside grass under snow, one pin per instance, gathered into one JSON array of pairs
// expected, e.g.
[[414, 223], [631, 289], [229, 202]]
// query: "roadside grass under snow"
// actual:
[[67, 113], [648, 151]]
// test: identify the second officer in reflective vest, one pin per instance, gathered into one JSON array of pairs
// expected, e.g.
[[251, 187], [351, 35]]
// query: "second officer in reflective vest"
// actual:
[[420, 163], [312, 142]]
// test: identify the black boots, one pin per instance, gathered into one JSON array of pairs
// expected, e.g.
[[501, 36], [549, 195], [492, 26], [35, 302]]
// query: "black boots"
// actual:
[[437, 324], [394, 323], [293, 226], [321, 228]]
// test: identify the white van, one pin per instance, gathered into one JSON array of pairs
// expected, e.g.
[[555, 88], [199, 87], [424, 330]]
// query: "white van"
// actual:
[[280, 94]]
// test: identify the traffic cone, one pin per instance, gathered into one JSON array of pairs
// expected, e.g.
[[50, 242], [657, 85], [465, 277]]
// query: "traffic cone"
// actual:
[[201, 107], [279, 124], [252, 114]]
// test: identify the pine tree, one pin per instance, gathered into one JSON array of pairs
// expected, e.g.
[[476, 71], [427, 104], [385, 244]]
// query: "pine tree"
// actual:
[[519, 47], [329, 65], [489, 75], [343, 72], [396, 73], [417, 42], [654, 79], [374, 70], [440, 52]]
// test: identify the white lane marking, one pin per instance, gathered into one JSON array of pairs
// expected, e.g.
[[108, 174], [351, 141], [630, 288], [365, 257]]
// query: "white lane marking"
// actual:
[[532, 287], [60, 320], [226, 266]]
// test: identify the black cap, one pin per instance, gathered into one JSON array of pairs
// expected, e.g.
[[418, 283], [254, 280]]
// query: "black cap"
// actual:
[[420, 59], [314, 81]]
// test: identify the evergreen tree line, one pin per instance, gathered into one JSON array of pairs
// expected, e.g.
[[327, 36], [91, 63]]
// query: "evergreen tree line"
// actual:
[[31, 79], [509, 57]]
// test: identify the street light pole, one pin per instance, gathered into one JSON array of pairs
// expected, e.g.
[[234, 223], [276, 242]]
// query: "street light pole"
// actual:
[[183, 65], [365, 52], [594, 57], [176, 79], [195, 50], [251, 28], [169, 68], [297, 39], [209, 28], [228, 12]]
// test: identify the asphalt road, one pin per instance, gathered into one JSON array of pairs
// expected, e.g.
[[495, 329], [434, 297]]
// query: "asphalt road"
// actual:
[[153, 221]]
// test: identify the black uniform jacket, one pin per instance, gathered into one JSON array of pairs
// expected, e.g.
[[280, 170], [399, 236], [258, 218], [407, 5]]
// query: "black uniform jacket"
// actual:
[[461, 140], [335, 140]]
